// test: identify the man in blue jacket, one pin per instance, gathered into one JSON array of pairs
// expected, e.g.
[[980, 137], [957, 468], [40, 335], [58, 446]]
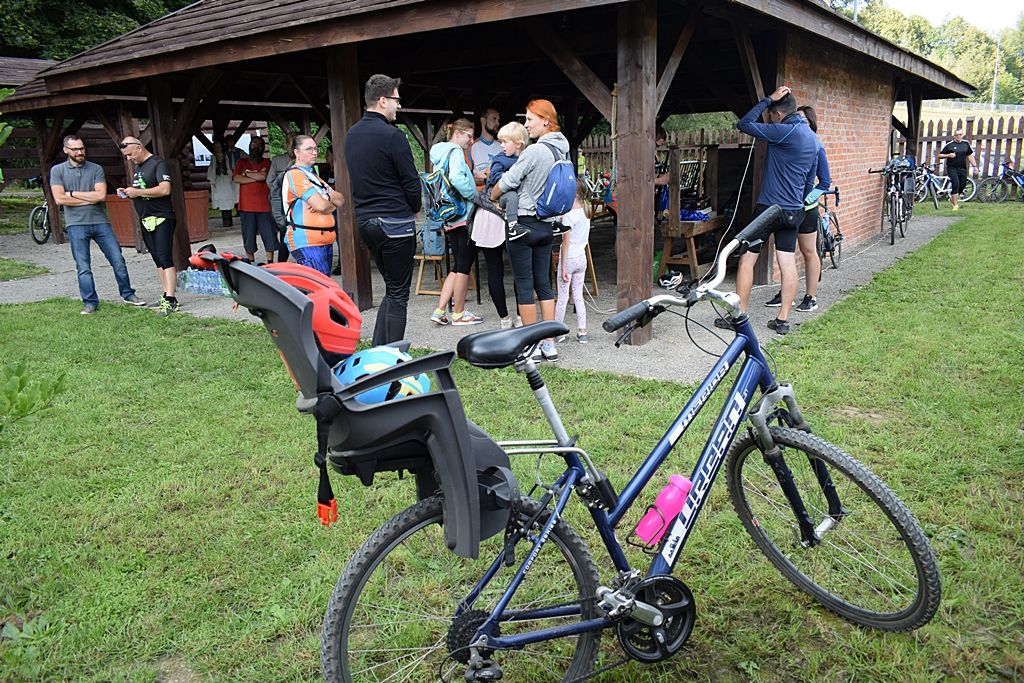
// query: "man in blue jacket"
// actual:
[[789, 172], [386, 196]]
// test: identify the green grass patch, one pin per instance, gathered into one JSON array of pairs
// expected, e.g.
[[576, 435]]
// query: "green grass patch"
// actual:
[[15, 270], [158, 524], [14, 212]]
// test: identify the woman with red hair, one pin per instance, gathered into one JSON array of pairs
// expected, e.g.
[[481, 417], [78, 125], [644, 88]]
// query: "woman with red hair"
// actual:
[[531, 255]]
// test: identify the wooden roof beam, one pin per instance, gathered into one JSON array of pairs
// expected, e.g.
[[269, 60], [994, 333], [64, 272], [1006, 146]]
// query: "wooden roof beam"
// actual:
[[748, 63], [668, 72], [581, 75], [322, 113]]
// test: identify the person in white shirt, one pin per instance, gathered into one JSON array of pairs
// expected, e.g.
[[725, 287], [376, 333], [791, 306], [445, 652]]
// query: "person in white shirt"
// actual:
[[572, 263]]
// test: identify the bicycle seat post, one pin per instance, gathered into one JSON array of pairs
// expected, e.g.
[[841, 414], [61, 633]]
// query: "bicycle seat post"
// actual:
[[540, 391]]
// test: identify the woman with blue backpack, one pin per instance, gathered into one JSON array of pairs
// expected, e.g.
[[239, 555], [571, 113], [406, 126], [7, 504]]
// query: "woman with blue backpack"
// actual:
[[546, 185], [450, 157]]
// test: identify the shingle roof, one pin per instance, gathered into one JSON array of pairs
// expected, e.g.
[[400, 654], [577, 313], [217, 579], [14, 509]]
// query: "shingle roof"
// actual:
[[17, 70]]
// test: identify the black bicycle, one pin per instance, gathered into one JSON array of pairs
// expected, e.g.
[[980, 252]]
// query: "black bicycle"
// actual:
[[997, 188], [830, 238], [899, 195], [39, 216]]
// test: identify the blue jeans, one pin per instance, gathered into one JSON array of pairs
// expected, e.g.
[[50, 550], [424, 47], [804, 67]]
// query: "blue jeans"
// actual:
[[103, 235]]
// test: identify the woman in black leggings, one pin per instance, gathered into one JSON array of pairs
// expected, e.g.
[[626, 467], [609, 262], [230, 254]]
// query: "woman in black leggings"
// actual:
[[531, 254]]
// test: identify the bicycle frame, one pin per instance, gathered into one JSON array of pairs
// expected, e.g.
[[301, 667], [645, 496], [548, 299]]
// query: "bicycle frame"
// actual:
[[754, 374]]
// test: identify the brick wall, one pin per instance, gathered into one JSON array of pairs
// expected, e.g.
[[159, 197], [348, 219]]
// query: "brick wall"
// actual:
[[853, 97]]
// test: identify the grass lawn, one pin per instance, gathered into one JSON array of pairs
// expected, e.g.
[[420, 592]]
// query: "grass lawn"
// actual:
[[14, 270], [158, 524], [14, 212]]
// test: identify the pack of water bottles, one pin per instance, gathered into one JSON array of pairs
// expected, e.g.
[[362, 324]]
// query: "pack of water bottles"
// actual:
[[208, 282]]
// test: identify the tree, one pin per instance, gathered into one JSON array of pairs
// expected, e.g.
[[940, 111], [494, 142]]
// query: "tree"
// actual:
[[58, 29]]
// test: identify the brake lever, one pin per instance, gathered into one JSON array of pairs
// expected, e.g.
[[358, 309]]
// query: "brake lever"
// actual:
[[627, 332], [639, 322]]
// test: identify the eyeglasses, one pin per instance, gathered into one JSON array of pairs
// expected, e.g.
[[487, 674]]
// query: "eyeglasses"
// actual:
[[307, 149], [396, 98], [125, 144], [75, 149]]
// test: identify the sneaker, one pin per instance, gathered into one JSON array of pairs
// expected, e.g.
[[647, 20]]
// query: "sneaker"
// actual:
[[518, 322], [537, 355], [133, 301], [514, 232], [775, 301], [808, 304], [548, 350], [582, 337], [723, 324], [88, 309], [158, 304], [466, 318], [780, 326], [956, 207], [558, 228], [439, 318], [506, 323], [167, 307]]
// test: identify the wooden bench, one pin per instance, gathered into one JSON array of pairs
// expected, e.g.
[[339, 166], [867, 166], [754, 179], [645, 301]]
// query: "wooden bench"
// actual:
[[686, 231]]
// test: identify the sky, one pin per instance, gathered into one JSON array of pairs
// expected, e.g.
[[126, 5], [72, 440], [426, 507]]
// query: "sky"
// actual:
[[988, 15]]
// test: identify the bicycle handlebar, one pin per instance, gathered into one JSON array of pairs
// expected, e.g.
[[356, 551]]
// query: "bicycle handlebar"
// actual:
[[643, 312]]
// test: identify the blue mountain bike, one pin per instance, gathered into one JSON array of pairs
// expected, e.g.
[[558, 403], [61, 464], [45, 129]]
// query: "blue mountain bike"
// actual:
[[531, 604]]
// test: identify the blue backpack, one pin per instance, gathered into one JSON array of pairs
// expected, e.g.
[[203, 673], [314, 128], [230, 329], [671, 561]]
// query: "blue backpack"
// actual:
[[560, 187], [443, 203]]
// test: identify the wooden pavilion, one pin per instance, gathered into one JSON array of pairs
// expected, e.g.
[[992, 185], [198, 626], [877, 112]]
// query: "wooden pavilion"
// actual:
[[631, 63]]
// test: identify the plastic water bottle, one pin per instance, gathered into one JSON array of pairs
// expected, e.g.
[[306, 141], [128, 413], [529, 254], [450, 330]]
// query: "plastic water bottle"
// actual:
[[666, 507]]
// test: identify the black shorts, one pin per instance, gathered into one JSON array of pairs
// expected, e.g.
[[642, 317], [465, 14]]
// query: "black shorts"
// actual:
[[810, 223], [957, 179], [159, 242], [784, 229]]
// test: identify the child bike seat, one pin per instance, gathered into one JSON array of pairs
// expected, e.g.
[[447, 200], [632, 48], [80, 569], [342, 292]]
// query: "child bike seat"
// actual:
[[501, 348]]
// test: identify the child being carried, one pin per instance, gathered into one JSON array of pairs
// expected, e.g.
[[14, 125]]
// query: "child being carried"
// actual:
[[514, 139]]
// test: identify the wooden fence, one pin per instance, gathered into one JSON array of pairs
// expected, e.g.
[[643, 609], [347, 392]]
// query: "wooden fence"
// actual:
[[597, 149], [994, 140]]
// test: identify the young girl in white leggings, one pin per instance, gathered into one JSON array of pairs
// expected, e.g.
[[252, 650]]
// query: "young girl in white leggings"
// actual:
[[572, 264]]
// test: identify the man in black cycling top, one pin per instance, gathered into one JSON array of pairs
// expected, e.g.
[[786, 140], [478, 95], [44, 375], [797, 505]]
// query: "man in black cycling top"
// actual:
[[957, 155]]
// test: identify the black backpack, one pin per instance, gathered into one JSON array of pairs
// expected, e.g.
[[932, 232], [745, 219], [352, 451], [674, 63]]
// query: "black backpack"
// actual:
[[281, 217]]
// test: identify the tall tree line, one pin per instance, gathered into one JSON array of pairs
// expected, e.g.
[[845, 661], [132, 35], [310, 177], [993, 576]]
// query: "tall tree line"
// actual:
[[955, 44]]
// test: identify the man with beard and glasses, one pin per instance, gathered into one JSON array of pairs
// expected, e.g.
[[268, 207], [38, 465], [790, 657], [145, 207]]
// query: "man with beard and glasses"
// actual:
[[486, 146], [81, 188]]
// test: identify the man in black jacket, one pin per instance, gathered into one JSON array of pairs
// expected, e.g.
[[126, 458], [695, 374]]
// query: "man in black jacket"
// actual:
[[386, 196]]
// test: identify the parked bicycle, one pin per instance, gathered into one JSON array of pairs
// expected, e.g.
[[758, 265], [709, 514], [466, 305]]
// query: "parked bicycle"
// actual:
[[899, 195], [929, 183], [521, 596], [39, 216], [996, 189], [830, 238]]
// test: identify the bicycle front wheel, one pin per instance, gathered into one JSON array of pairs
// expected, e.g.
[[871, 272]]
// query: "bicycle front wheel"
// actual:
[[992, 190], [970, 189], [38, 226], [392, 616], [904, 214], [874, 567], [894, 217]]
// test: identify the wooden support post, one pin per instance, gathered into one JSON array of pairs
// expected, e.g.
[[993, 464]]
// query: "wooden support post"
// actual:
[[343, 93], [49, 140], [161, 117], [128, 125], [635, 115]]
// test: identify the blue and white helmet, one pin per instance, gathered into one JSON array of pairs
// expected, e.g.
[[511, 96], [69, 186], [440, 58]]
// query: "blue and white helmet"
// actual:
[[379, 358]]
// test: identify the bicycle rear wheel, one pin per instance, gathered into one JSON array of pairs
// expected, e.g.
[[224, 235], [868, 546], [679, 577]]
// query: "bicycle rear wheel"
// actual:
[[392, 614], [992, 191], [874, 567], [970, 189], [38, 225], [904, 214], [935, 195], [836, 240]]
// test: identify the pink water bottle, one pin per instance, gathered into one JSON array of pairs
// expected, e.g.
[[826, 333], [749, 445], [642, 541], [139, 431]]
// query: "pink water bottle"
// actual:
[[666, 507]]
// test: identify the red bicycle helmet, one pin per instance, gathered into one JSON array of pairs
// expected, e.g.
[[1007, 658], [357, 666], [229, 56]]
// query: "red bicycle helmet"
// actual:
[[303, 278], [336, 320]]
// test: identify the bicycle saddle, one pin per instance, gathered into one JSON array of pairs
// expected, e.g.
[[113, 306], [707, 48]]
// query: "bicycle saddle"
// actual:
[[500, 348]]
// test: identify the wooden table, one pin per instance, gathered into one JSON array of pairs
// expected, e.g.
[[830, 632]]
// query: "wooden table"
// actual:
[[687, 231]]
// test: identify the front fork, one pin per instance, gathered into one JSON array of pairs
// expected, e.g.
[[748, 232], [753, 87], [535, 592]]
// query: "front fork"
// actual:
[[760, 415]]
